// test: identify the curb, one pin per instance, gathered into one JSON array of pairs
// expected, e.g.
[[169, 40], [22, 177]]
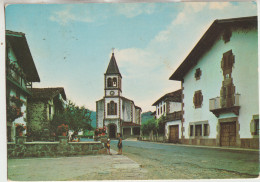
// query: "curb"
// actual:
[[210, 147]]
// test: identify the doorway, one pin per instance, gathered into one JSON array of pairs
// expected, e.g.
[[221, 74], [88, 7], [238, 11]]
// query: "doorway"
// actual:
[[112, 131]]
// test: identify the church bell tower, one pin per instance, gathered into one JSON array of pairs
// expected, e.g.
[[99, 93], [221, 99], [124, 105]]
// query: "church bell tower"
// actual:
[[113, 79]]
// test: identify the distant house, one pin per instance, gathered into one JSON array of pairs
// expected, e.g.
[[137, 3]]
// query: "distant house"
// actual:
[[42, 106], [117, 113], [220, 86], [170, 106], [20, 74]]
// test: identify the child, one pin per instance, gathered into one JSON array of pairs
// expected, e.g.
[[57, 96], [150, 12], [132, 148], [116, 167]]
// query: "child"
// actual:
[[108, 146], [119, 145]]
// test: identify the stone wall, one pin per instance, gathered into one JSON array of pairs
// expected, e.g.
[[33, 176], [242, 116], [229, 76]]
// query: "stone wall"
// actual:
[[22, 149], [37, 115]]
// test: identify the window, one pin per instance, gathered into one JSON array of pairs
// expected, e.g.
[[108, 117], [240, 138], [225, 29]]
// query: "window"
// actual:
[[114, 82], [256, 129], [49, 111], [158, 111], [206, 129], [112, 108], [198, 74], [161, 109], [109, 82], [197, 99], [191, 130], [198, 130], [164, 108], [227, 62]]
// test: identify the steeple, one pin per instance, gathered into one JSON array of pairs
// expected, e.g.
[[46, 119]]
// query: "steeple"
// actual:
[[112, 66]]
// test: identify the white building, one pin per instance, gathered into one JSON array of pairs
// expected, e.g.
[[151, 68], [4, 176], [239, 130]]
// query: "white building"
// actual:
[[21, 72], [170, 106], [220, 86], [117, 113]]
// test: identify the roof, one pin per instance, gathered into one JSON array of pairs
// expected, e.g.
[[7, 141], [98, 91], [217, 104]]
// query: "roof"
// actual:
[[22, 52], [112, 66], [172, 96], [48, 93], [208, 39], [130, 124]]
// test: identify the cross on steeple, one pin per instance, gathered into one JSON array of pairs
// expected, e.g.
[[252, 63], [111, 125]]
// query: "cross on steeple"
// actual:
[[113, 49]]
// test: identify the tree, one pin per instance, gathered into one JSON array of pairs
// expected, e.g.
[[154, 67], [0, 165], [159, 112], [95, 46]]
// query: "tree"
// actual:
[[151, 125], [161, 125], [75, 117]]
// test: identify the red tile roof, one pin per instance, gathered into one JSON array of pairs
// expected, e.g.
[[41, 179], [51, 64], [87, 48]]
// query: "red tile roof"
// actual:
[[172, 96], [47, 93]]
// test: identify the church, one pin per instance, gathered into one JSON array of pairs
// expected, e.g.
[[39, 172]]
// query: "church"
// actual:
[[115, 112]]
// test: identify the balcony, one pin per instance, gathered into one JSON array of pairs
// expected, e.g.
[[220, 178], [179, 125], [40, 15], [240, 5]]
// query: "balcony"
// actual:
[[216, 108], [174, 116]]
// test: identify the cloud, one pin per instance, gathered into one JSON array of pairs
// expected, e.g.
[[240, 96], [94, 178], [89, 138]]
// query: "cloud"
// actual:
[[135, 9], [67, 15], [219, 5]]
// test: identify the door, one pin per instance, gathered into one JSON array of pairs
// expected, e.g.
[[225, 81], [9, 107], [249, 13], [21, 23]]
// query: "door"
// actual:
[[112, 131], [228, 134], [174, 133]]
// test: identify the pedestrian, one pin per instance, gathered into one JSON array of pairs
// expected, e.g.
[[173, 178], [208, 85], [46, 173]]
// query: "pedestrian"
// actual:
[[119, 145], [108, 146]]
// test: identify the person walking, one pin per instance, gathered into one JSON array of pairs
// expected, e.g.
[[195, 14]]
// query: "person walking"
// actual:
[[119, 145], [108, 146]]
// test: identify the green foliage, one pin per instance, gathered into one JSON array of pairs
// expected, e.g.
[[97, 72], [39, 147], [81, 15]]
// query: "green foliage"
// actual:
[[150, 125], [88, 133], [146, 116], [155, 125], [74, 116], [161, 125], [14, 108]]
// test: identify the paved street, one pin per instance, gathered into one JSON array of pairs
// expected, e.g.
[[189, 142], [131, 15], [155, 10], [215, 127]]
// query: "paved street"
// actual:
[[140, 160], [169, 161], [91, 167]]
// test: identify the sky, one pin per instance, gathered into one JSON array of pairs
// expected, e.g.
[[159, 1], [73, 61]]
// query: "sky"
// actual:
[[71, 44]]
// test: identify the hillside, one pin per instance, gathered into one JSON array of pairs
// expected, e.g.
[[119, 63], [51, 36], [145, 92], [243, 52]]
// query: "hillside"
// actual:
[[146, 116], [93, 118]]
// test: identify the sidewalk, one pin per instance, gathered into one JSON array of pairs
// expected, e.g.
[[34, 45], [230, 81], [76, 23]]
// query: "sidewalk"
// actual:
[[205, 146], [92, 167]]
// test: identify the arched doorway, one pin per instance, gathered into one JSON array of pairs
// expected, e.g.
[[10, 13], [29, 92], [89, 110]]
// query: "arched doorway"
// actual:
[[112, 131]]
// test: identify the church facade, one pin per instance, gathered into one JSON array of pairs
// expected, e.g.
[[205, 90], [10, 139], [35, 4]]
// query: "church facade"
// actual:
[[115, 112]]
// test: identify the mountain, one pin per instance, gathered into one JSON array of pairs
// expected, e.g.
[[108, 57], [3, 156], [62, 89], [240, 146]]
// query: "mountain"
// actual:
[[93, 118], [146, 116]]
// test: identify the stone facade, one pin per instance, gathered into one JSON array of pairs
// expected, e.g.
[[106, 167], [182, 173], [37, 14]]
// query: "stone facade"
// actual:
[[37, 115], [52, 149]]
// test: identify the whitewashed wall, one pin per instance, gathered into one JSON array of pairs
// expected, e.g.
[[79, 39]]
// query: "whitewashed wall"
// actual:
[[245, 79], [175, 106]]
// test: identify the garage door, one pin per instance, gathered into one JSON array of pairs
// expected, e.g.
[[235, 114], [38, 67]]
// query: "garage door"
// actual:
[[174, 133], [228, 134]]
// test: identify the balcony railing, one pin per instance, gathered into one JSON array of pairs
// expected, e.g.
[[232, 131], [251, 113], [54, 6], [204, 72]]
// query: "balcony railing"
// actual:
[[174, 116], [216, 107]]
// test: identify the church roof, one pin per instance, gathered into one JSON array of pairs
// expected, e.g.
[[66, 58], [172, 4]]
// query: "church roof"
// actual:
[[112, 66]]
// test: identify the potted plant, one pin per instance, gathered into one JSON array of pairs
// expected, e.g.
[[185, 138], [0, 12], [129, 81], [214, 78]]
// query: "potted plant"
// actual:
[[63, 129], [20, 128]]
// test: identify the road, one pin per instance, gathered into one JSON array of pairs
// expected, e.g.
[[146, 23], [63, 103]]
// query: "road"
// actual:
[[169, 161]]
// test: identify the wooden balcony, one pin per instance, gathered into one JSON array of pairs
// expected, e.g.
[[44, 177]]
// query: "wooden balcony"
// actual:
[[216, 108], [174, 116]]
